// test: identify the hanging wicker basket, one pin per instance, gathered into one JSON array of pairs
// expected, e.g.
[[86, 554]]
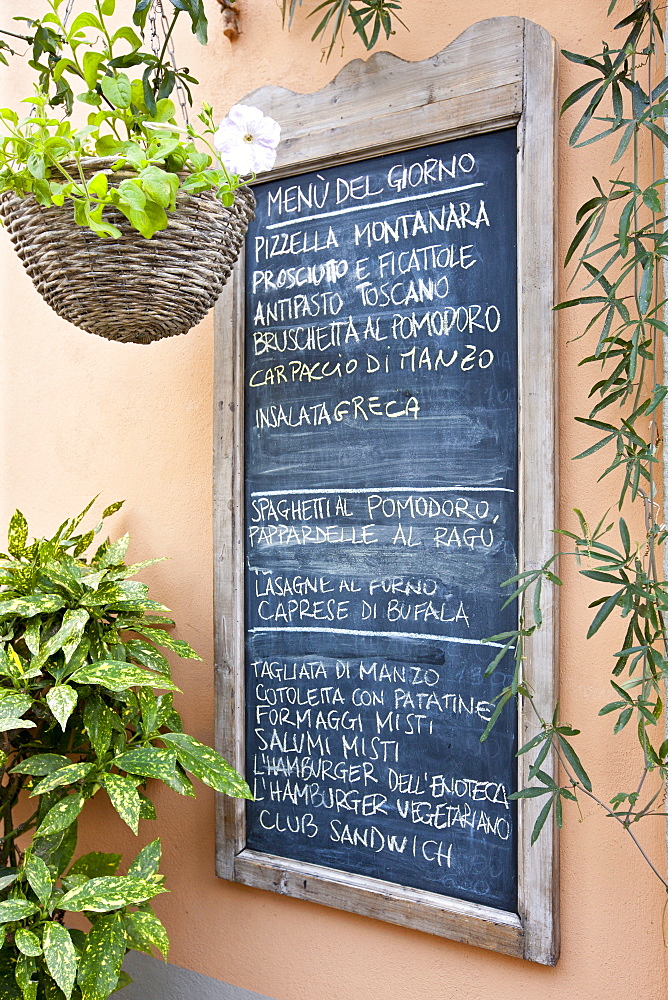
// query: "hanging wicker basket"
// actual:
[[130, 289]]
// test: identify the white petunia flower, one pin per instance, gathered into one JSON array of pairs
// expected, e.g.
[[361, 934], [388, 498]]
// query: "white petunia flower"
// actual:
[[247, 140]]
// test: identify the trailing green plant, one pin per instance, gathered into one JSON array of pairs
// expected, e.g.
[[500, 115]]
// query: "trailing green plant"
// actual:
[[626, 98], [127, 89], [86, 709]]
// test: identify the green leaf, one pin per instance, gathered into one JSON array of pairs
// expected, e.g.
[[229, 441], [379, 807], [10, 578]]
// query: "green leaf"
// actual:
[[147, 861], [128, 35], [102, 957], [63, 776], [145, 930], [124, 798], [573, 759], [91, 62], [27, 942], [16, 909], [17, 534], [61, 815], [95, 865], [208, 766], [116, 675], [117, 89], [84, 20], [60, 956], [39, 878], [164, 110], [62, 700], [540, 822], [623, 720], [109, 893], [603, 612]]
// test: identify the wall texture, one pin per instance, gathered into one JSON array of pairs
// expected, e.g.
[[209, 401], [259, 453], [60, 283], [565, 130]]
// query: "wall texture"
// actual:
[[79, 416]]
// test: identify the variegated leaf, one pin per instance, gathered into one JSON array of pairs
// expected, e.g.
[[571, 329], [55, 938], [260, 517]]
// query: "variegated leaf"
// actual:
[[147, 861], [27, 942], [76, 521], [62, 700], [112, 508], [39, 878], [32, 635], [98, 721], [149, 706], [178, 646], [16, 909], [60, 956], [63, 776], [144, 929], [69, 634], [93, 580], [116, 551], [13, 704], [148, 762], [7, 723], [102, 957], [148, 655], [17, 534], [95, 865], [25, 969], [124, 798], [26, 607], [208, 766], [9, 878], [57, 849], [41, 763], [84, 542], [116, 675], [104, 894], [146, 809], [61, 815]]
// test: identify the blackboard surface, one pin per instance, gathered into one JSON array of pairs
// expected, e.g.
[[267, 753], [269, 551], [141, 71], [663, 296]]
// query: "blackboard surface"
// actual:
[[381, 516]]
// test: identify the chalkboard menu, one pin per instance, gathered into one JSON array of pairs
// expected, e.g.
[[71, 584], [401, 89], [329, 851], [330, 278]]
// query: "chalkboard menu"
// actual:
[[381, 516]]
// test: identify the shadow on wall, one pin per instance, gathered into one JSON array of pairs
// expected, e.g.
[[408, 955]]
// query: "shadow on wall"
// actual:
[[155, 980]]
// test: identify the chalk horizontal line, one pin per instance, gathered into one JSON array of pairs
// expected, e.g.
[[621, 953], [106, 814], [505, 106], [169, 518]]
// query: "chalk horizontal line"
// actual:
[[381, 489], [375, 204], [385, 635]]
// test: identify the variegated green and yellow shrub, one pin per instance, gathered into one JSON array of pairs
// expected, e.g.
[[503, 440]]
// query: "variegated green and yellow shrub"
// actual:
[[86, 708]]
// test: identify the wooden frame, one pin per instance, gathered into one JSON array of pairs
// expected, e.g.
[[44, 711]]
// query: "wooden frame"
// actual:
[[498, 73]]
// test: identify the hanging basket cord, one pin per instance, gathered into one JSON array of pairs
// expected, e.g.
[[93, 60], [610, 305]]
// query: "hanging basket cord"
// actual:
[[161, 36]]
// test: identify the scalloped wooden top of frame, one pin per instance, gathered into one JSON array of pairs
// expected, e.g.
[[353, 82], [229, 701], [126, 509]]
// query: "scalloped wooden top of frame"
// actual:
[[383, 103]]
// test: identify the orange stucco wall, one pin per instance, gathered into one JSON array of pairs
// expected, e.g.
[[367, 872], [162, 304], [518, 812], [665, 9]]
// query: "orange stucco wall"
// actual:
[[79, 415]]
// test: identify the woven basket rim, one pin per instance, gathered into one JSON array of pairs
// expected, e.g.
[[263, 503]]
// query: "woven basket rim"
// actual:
[[94, 164]]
